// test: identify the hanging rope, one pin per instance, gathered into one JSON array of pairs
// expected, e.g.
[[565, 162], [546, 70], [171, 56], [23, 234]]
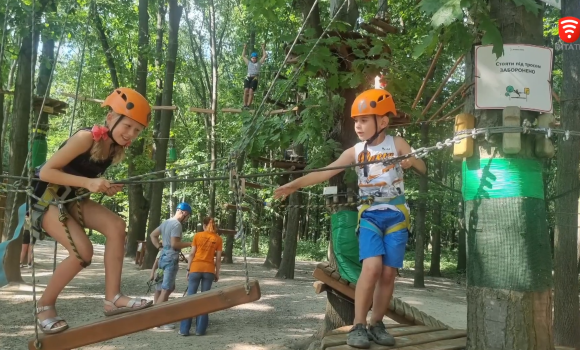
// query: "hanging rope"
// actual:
[[239, 198]]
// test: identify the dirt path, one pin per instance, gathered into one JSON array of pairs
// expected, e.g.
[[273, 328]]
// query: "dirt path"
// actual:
[[288, 310]]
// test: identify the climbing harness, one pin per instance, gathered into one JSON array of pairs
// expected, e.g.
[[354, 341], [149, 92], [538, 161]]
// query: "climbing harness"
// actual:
[[40, 208]]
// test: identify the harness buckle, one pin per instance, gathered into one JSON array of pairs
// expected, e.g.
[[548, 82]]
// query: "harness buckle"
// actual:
[[368, 200]]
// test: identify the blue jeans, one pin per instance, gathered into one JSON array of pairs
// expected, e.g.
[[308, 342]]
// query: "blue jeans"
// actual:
[[201, 321]]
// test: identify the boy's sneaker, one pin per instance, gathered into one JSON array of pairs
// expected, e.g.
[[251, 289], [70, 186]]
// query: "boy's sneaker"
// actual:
[[167, 327], [358, 337], [379, 334]]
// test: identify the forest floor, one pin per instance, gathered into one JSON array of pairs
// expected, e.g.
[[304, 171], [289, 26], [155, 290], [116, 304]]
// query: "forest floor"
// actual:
[[288, 311]]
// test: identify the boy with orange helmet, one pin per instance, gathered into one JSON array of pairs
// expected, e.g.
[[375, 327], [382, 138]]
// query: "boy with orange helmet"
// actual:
[[383, 219], [77, 165]]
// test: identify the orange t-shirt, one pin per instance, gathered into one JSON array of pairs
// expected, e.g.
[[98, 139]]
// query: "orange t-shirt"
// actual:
[[206, 243]]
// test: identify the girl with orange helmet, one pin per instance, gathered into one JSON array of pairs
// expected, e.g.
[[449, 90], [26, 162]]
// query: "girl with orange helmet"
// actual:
[[383, 218], [75, 168]]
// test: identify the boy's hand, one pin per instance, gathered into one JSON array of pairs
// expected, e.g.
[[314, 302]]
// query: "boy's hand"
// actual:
[[284, 191], [407, 163]]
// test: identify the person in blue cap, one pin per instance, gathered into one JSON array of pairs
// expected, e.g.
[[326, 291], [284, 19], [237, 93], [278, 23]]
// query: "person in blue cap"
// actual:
[[251, 81], [171, 233]]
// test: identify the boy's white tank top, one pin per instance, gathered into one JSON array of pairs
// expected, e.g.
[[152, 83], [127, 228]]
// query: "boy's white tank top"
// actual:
[[382, 181]]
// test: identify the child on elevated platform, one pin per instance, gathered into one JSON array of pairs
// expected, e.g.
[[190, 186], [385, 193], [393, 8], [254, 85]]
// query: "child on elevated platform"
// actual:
[[251, 81], [74, 169], [384, 216]]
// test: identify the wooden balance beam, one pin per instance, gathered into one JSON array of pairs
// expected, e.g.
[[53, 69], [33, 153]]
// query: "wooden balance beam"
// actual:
[[158, 315]]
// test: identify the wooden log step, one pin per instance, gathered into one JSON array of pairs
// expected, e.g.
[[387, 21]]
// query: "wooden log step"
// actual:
[[347, 291], [106, 328], [320, 287], [346, 329], [340, 339], [429, 338]]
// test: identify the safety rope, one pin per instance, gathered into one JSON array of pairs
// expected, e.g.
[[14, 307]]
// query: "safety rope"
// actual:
[[419, 153]]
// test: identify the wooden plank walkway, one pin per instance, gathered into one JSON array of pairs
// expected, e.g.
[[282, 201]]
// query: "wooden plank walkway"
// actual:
[[407, 337]]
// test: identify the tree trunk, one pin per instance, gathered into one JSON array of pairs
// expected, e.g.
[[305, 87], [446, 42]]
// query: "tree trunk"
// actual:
[[19, 149], [509, 274], [166, 116], [214, 102], [274, 256], [228, 257], [257, 219], [7, 107], [286, 269], [138, 205], [314, 20], [106, 48], [435, 269], [421, 218], [161, 11], [44, 70], [566, 317]]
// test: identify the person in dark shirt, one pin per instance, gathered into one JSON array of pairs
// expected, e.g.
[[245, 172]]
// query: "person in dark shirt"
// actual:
[[75, 168]]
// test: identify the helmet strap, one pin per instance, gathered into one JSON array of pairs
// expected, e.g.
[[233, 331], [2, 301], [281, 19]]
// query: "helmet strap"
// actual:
[[369, 141], [113, 127]]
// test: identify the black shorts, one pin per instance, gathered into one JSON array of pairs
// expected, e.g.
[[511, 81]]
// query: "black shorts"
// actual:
[[251, 83], [26, 238]]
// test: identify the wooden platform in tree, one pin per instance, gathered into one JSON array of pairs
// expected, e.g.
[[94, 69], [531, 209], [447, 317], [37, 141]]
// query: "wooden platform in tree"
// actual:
[[283, 164], [51, 105], [254, 185], [225, 231], [107, 328], [407, 337], [398, 311]]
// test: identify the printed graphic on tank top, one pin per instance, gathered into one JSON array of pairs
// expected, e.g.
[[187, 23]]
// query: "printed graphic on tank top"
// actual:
[[381, 181]]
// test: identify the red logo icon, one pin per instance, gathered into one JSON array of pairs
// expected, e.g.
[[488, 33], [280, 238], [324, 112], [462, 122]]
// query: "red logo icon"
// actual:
[[569, 29]]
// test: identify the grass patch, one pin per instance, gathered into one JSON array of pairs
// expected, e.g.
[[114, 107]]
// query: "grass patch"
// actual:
[[448, 262]]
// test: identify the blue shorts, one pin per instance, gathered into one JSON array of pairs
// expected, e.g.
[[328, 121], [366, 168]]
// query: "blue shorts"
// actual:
[[391, 246], [170, 267]]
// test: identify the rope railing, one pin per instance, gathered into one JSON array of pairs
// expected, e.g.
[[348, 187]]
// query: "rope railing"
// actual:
[[418, 153]]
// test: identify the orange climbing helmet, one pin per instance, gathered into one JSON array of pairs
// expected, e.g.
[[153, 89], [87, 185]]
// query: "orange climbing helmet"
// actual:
[[130, 104], [373, 102]]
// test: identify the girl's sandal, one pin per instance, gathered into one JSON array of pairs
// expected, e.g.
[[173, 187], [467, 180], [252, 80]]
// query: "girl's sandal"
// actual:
[[46, 326], [129, 308]]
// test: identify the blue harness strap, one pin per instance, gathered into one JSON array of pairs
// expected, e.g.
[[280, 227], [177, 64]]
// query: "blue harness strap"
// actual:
[[398, 202], [4, 277]]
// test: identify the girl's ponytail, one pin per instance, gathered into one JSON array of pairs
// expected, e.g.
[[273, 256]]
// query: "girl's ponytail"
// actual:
[[209, 225]]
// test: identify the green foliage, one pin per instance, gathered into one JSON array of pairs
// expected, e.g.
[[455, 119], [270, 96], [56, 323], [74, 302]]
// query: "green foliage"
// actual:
[[492, 36]]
